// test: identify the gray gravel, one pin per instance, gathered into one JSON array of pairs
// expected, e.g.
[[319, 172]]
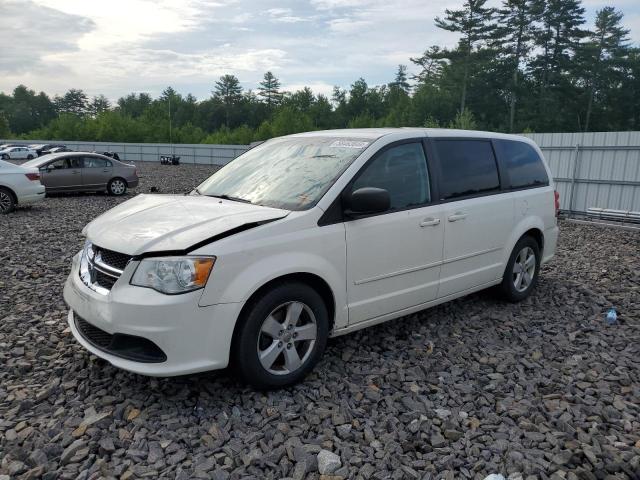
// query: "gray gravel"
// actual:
[[541, 389]]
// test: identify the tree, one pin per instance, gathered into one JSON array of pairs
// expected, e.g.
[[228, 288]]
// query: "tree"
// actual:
[[99, 104], [400, 81], [604, 51], [556, 41], [431, 64], [474, 23], [134, 105], [229, 91], [513, 41], [74, 102], [269, 90], [5, 132]]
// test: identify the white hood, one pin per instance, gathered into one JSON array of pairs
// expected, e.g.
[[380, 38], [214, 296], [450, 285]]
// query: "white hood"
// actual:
[[158, 223]]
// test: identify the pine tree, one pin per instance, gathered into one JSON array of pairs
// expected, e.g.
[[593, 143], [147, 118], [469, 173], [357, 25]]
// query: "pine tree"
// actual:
[[229, 91], [513, 41], [557, 41], [604, 50], [74, 102], [269, 90], [400, 81], [430, 63], [98, 105], [474, 23]]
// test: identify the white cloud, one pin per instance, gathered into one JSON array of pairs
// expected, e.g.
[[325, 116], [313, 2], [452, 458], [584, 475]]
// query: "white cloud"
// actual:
[[120, 46]]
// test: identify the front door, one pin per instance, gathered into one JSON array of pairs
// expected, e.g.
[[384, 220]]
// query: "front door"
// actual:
[[62, 174], [393, 258], [96, 172]]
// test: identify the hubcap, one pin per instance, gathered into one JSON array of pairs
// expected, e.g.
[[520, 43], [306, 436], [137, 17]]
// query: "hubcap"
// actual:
[[286, 338], [117, 187], [524, 269], [5, 202]]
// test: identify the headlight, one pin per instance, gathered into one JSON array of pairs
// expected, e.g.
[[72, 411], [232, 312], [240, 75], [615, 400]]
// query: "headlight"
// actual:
[[173, 275], [86, 254]]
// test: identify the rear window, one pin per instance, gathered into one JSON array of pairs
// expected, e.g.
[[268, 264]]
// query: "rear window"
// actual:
[[523, 164], [467, 167]]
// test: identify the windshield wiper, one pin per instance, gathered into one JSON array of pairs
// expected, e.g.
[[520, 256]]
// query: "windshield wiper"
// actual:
[[228, 197]]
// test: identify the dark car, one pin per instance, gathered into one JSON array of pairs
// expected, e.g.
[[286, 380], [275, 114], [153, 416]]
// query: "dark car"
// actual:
[[81, 171], [44, 148]]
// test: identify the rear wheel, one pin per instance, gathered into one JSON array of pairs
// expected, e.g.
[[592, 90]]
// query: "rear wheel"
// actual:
[[7, 202], [29, 157], [281, 336], [117, 187], [521, 275]]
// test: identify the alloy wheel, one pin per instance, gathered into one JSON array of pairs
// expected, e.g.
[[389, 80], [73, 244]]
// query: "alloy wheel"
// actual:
[[5, 202], [287, 337], [117, 187], [524, 269]]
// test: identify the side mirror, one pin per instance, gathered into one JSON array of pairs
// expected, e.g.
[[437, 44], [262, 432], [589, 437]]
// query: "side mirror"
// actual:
[[367, 201]]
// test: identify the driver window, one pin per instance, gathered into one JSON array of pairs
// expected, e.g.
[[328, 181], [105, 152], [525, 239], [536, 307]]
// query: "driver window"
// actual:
[[58, 164], [402, 171]]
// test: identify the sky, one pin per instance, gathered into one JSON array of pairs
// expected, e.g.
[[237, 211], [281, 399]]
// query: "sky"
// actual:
[[115, 47]]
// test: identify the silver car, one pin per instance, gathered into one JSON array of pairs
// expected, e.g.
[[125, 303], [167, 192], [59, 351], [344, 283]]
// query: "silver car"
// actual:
[[80, 171]]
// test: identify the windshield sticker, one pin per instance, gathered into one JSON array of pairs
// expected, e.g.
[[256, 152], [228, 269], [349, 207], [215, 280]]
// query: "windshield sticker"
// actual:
[[348, 144]]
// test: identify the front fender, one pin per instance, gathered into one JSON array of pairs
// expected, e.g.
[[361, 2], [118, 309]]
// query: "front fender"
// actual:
[[239, 274]]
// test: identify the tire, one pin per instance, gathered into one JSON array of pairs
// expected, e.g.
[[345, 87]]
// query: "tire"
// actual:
[[29, 157], [5, 156], [285, 359], [522, 271], [117, 187], [7, 201]]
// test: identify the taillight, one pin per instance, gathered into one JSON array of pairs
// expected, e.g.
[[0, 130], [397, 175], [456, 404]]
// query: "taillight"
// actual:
[[32, 176], [556, 196]]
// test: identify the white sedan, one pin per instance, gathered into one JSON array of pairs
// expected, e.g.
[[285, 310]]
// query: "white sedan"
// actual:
[[19, 186], [18, 153]]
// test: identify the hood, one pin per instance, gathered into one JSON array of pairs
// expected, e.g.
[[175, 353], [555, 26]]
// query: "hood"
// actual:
[[160, 223]]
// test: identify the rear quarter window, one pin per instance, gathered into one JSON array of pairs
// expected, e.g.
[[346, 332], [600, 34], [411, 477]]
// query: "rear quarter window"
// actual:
[[522, 163]]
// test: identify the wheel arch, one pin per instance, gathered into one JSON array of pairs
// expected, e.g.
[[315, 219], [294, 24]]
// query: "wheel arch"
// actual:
[[531, 226], [314, 281], [11, 192]]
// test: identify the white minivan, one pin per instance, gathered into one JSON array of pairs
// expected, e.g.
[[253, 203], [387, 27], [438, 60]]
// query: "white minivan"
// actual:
[[306, 237]]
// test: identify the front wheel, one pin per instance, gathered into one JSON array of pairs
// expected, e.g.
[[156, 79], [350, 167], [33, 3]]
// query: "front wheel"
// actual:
[[521, 274], [281, 336], [5, 156], [7, 202], [117, 187]]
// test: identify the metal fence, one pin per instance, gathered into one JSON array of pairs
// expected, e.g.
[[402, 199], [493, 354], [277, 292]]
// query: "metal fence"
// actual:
[[590, 169], [151, 152], [600, 169]]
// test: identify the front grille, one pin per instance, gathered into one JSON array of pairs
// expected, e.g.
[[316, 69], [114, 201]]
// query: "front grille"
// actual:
[[129, 347], [113, 259], [105, 281], [103, 269]]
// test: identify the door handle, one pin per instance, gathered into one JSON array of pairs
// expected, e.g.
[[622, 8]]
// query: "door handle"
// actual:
[[457, 216], [75, 172], [430, 222], [105, 170]]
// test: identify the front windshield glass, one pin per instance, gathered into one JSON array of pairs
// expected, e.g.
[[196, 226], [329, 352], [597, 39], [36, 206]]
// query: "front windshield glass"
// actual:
[[290, 173]]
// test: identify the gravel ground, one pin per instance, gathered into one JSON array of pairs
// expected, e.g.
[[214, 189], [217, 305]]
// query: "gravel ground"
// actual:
[[541, 389]]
